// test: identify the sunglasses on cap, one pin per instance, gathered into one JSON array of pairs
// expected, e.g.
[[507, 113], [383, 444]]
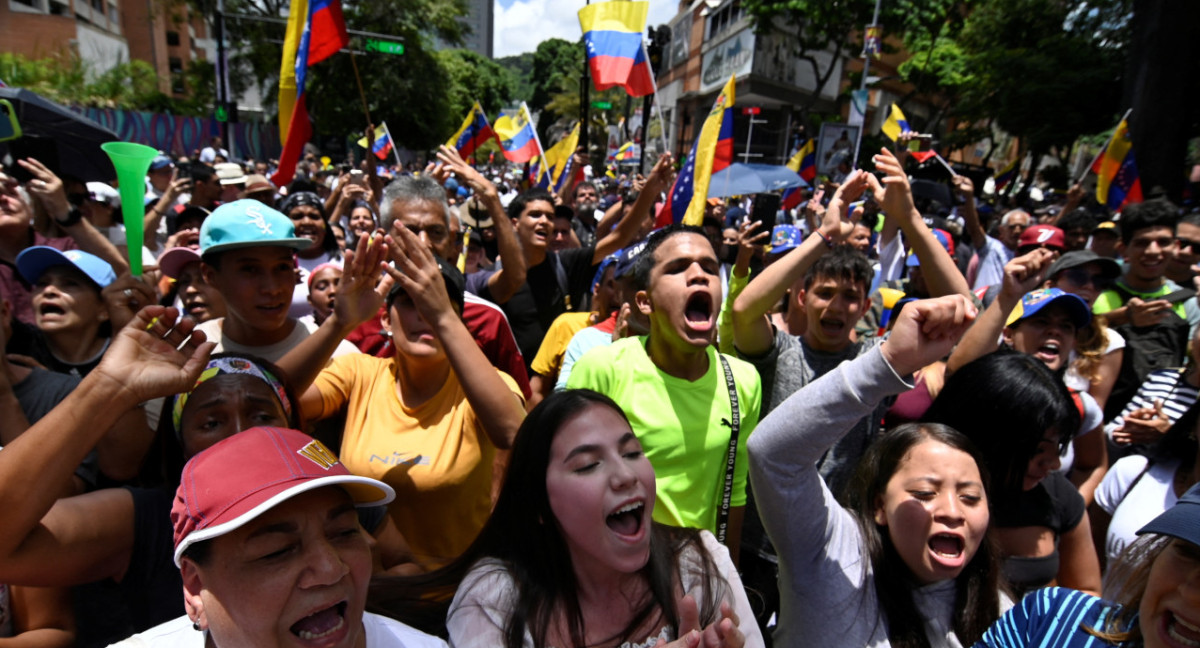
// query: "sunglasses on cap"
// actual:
[[1081, 277]]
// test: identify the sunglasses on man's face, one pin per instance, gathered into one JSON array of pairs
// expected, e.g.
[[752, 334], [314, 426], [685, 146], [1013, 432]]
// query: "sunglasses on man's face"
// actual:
[[1081, 277], [1188, 244]]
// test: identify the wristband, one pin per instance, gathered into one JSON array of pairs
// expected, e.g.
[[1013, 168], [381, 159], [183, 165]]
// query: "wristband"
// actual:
[[73, 217], [828, 240]]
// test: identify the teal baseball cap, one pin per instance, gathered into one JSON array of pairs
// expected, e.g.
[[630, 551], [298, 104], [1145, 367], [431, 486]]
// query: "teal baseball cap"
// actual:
[[247, 223]]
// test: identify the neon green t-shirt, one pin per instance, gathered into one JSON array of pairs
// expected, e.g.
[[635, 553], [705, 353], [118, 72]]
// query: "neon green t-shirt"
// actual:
[[1111, 299], [679, 425]]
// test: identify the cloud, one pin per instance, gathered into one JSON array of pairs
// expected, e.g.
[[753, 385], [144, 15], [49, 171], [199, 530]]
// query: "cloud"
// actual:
[[525, 23]]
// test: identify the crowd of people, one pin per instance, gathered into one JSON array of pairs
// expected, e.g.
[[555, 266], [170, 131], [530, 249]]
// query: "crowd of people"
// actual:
[[419, 407]]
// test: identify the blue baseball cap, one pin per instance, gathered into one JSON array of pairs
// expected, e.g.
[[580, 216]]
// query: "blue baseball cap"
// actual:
[[1036, 300], [33, 262], [784, 238], [160, 162], [942, 237], [626, 257], [247, 223], [1181, 520]]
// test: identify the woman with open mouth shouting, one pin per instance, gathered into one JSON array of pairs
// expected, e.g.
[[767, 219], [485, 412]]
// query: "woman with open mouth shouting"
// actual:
[[907, 561], [571, 557]]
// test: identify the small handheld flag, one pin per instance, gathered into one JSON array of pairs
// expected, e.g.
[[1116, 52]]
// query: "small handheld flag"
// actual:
[[383, 142], [1118, 181], [475, 130], [804, 163], [1007, 174], [896, 124], [517, 139]]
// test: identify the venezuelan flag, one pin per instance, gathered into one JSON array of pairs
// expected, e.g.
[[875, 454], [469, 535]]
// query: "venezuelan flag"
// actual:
[[612, 33], [1007, 174], [558, 160], [896, 124], [324, 33], [711, 152], [475, 130], [383, 142], [517, 139], [804, 163], [1118, 181]]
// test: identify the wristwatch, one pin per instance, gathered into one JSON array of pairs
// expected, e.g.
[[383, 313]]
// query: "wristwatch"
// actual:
[[73, 217]]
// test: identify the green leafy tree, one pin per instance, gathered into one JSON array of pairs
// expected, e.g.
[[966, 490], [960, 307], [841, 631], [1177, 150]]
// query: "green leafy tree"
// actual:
[[557, 68], [521, 69], [409, 91], [475, 77]]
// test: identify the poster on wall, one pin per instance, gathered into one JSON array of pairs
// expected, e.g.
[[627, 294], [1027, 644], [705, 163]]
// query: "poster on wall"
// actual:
[[835, 147], [733, 57]]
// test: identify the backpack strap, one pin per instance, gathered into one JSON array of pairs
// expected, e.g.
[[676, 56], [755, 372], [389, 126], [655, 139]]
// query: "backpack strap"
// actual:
[[731, 456]]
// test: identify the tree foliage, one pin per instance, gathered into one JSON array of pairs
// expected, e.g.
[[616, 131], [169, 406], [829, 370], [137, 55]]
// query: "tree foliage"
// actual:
[[520, 67], [557, 67], [475, 77], [132, 85], [410, 91]]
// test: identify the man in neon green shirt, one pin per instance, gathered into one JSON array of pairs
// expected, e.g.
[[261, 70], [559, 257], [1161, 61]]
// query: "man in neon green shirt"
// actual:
[[672, 385], [1148, 244]]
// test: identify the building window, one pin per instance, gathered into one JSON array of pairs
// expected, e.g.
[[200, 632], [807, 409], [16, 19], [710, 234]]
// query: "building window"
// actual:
[[114, 16], [98, 5], [176, 65], [173, 38], [27, 6], [722, 19], [59, 8]]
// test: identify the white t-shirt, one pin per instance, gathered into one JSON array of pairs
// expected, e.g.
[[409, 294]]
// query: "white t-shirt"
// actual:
[[214, 329], [1093, 416], [1116, 342], [1133, 509], [381, 632]]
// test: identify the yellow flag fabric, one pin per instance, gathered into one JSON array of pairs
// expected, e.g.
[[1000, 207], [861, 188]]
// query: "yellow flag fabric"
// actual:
[[380, 131], [896, 123], [297, 16], [557, 156], [707, 152]]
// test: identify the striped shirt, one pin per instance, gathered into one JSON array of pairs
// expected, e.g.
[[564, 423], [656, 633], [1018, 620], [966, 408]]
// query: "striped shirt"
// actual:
[[1167, 385], [1054, 617]]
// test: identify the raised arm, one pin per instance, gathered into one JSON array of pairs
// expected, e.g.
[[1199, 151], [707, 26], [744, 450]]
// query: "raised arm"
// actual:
[[895, 196], [1021, 275], [44, 543], [48, 189], [975, 231], [787, 443], [503, 284], [751, 329], [359, 298], [497, 409], [622, 234]]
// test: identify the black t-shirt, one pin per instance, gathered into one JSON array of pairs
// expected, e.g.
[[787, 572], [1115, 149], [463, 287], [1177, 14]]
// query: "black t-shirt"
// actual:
[[42, 391], [1054, 503], [534, 306]]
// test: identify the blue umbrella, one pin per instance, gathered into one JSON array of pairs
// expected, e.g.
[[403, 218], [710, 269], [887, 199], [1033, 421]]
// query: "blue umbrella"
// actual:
[[741, 179]]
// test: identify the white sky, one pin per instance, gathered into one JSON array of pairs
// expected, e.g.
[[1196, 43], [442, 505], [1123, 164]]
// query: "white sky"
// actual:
[[522, 24]]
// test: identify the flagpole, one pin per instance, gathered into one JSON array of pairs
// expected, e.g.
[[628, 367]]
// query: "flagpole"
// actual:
[[537, 138], [395, 153], [1102, 150], [363, 96], [662, 124]]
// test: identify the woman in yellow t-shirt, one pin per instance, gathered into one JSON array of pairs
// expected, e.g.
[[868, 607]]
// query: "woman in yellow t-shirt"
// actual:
[[428, 420]]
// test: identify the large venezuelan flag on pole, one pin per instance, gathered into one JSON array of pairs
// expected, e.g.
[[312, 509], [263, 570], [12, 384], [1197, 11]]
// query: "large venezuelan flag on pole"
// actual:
[[1118, 181], [559, 162], [323, 34], [612, 33], [475, 130], [517, 139], [711, 152], [804, 163]]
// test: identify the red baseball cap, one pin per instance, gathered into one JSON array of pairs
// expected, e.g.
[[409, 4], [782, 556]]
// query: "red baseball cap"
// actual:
[[1042, 236], [251, 472]]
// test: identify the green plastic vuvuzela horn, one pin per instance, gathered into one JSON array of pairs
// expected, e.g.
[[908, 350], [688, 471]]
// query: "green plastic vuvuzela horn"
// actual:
[[131, 161]]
